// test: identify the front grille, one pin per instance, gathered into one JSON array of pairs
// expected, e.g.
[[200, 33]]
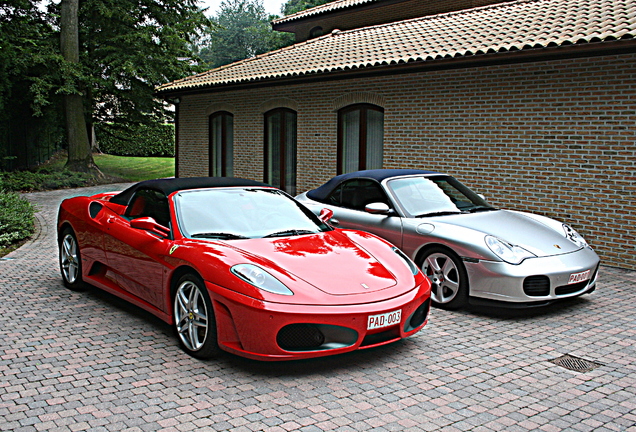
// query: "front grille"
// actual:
[[378, 338], [572, 288], [300, 337], [536, 286], [315, 337]]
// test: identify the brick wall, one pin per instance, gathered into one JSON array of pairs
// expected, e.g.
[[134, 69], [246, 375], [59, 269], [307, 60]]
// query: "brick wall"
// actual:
[[556, 138]]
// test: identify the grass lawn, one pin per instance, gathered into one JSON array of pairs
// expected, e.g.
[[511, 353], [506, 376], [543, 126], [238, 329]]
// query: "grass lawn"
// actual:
[[128, 168], [135, 168]]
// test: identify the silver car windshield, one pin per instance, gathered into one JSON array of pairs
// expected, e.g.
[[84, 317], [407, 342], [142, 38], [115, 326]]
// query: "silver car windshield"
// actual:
[[435, 196], [238, 213]]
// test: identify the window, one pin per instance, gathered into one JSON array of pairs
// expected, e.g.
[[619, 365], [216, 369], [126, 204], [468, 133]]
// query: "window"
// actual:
[[149, 203], [221, 144], [280, 149], [356, 194], [360, 138]]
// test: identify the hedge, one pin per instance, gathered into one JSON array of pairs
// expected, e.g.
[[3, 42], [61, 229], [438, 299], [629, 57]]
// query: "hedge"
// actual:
[[136, 140]]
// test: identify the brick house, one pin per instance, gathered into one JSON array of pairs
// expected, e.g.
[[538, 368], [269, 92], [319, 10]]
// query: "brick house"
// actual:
[[531, 103]]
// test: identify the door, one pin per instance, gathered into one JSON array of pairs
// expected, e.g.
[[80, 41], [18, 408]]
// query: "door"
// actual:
[[349, 201], [137, 257]]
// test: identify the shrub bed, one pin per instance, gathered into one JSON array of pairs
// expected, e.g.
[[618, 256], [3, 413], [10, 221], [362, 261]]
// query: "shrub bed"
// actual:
[[43, 179], [16, 219]]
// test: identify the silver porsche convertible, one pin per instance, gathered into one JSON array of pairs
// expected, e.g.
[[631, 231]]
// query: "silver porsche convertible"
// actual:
[[472, 252]]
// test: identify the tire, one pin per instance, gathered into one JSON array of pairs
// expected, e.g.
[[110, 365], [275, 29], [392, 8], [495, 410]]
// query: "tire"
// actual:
[[70, 261], [449, 280], [194, 320]]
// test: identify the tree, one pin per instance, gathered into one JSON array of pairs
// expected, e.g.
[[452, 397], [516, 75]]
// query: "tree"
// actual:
[[29, 73], [80, 157], [131, 46], [105, 61], [126, 48], [240, 30], [293, 6]]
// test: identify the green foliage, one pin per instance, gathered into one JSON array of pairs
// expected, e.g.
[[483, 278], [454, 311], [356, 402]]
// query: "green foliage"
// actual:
[[136, 140], [43, 179], [240, 30], [128, 47], [293, 6], [16, 219]]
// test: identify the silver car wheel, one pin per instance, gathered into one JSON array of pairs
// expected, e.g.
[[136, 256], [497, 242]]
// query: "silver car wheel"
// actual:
[[445, 277], [69, 259], [191, 316]]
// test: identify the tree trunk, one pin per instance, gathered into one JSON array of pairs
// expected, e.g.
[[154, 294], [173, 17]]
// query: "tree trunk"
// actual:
[[80, 157]]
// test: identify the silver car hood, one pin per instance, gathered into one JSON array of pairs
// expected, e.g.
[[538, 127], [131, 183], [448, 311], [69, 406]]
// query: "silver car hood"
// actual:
[[516, 228]]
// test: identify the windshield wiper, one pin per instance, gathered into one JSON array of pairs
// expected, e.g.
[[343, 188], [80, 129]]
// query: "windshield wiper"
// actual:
[[286, 233], [480, 209], [441, 213], [219, 235]]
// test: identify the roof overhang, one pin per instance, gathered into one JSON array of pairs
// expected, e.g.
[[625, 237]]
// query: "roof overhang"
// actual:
[[528, 55]]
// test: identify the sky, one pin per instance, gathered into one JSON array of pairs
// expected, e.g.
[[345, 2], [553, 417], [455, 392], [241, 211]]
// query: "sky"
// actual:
[[271, 6]]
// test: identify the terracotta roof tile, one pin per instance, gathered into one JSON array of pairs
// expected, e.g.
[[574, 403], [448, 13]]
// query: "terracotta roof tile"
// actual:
[[318, 10], [520, 25]]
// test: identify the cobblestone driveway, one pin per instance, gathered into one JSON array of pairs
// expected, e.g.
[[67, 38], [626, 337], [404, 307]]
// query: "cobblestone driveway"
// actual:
[[87, 361]]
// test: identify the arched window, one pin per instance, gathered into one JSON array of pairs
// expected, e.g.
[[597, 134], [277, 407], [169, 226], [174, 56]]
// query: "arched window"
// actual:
[[280, 149], [360, 138], [221, 133]]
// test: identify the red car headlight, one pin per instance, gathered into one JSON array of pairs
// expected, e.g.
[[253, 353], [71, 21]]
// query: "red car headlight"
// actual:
[[256, 276]]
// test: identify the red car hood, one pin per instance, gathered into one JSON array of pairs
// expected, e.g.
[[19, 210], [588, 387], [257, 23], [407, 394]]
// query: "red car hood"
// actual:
[[329, 261]]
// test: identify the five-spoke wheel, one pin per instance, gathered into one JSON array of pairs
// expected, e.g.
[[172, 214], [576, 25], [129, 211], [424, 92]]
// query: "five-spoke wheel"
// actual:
[[70, 260], [449, 282], [194, 318]]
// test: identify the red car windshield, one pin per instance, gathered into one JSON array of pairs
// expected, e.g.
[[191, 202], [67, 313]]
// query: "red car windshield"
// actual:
[[241, 213]]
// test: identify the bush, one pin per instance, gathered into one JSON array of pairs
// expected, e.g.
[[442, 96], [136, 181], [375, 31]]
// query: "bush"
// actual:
[[44, 179], [16, 219], [136, 140]]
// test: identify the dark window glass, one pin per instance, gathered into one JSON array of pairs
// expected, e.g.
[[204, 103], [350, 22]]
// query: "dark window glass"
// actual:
[[149, 203], [280, 149], [221, 144], [360, 138], [356, 194]]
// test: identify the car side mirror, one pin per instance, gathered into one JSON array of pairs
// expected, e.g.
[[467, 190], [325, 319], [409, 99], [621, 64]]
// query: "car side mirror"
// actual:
[[149, 224], [325, 215], [378, 208]]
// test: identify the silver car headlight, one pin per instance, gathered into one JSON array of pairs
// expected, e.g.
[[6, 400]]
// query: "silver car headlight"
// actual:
[[411, 265], [573, 236], [507, 252], [254, 275]]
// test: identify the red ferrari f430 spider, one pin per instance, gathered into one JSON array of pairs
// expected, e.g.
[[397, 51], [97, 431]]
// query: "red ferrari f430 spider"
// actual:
[[240, 266]]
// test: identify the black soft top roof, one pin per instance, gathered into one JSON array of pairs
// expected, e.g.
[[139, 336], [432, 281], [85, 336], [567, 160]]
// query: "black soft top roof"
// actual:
[[322, 193], [168, 186]]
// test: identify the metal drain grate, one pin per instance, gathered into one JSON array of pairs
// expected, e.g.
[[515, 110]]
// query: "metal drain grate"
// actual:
[[575, 364]]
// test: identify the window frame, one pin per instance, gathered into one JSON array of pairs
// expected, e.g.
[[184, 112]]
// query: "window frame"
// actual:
[[226, 148], [363, 108], [283, 147]]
